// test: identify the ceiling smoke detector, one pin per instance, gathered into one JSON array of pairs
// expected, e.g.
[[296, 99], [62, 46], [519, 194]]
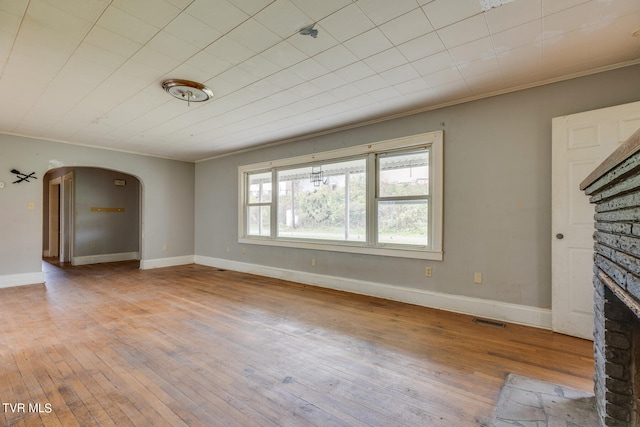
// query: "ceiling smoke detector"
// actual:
[[187, 90], [492, 4]]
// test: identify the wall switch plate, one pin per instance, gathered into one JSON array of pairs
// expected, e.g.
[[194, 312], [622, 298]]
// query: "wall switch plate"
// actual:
[[428, 271], [477, 278]]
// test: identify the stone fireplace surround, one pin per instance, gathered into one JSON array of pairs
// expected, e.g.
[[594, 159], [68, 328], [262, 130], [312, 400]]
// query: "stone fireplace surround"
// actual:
[[614, 187]]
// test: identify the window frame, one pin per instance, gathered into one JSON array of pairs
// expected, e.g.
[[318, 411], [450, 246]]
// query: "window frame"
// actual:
[[433, 251]]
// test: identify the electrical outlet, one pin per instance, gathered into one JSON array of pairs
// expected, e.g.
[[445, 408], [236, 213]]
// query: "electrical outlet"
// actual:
[[93, 245], [477, 278], [165, 247], [428, 271], [31, 206], [313, 262], [244, 251], [228, 249]]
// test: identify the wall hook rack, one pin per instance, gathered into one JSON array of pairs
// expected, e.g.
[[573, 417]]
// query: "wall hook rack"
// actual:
[[23, 177]]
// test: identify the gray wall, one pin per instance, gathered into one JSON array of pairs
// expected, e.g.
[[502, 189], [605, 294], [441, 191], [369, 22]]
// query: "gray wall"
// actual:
[[167, 199], [111, 232], [497, 198]]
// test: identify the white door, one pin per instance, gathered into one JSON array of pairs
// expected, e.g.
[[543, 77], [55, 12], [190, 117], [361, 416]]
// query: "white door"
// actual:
[[580, 143]]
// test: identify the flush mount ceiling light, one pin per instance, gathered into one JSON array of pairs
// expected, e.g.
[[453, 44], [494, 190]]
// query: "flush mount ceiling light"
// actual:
[[491, 4], [187, 90]]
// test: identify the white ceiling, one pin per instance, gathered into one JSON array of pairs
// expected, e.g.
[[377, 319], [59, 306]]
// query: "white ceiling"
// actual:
[[90, 71]]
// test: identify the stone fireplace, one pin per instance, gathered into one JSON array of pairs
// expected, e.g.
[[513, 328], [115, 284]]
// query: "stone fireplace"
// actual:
[[614, 187]]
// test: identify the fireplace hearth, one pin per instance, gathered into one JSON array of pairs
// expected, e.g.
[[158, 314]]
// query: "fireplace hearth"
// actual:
[[614, 187]]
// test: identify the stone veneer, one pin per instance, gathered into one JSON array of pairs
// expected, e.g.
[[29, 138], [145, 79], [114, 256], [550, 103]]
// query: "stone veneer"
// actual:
[[615, 190]]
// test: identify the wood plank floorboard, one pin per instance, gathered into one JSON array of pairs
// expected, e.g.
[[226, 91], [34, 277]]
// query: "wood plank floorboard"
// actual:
[[191, 345]]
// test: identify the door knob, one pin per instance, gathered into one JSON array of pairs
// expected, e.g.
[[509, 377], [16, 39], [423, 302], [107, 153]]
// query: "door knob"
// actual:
[[559, 236]]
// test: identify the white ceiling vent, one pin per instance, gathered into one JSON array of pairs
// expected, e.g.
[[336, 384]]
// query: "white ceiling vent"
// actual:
[[491, 4]]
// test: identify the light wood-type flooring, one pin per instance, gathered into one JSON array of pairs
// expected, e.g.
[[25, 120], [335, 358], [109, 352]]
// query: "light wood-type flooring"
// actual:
[[192, 345]]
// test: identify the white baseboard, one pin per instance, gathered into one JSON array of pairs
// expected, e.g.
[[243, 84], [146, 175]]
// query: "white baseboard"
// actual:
[[507, 312], [10, 280], [147, 264], [97, 259]]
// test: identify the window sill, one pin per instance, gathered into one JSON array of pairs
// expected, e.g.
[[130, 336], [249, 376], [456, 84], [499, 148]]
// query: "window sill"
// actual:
[[349, 248]]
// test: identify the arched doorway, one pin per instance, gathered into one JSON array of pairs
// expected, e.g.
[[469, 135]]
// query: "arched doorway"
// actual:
[[91, 215]]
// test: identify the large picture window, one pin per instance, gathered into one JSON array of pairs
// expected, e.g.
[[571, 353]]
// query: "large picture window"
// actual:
[[383, 198]]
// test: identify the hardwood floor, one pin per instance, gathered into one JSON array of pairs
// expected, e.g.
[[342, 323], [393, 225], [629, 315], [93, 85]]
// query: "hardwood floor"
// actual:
[[191, 345]]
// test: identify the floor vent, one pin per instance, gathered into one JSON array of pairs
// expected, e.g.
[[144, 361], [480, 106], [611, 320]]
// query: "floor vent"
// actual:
[[490, 322]]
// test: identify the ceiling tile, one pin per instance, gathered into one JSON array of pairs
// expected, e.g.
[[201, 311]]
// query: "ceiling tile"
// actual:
[[522, 35], [381, 11], [355, 72], [576, 18], [618, 8], [431, 64], [254, 36], [259, 66], [57, 20], [9, 24], [443, 77], [371, 83], [285, 79], [464, 31], [100, 56], [481, 66], [163, 12], [336, 57], [478, 49], [347, 23], [442, 13], [308, 69], [383, 61], [552, 6], [126, 25], [513, 14], [172, 46], [422, 46], [251, 7], [210, 64], [400, 74], [328, 82], [319, 10], [284, 54], [310, 46], [522, 61], [15, 7], [229, 50], [407, 27], [368, 44], [192, 30], [283, 18], [155, 59], [219, 14]]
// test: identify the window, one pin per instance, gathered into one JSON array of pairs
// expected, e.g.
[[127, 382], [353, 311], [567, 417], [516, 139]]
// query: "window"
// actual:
[[402, 199], [383, 198], [333, 207]]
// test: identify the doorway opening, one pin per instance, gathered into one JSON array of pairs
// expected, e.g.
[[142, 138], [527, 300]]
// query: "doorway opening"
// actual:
[[91, 215]]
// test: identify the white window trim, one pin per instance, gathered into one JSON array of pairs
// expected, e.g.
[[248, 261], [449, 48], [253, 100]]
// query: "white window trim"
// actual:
[[434, 139]]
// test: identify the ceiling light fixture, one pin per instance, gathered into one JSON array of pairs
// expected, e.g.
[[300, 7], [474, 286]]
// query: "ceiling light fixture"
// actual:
[[309, 31], [492, 4], [187, 90]]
